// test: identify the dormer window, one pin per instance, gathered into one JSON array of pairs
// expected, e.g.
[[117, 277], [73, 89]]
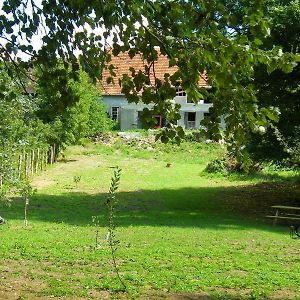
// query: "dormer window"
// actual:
[[180, 91]]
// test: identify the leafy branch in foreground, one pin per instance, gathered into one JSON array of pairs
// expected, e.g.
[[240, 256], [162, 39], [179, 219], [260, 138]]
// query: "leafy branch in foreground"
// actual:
[[111, 237]]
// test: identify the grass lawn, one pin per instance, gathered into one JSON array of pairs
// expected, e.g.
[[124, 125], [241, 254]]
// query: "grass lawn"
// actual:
[[183, 234]]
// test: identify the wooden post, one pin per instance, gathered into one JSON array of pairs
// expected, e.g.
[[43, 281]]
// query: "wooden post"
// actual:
[[32, 162], [54, 153], [26, 165], [47, 156], [29, 163], [37, 160], [276, 215], [20, 165], [42, 159], [23, 169], [51, 155]]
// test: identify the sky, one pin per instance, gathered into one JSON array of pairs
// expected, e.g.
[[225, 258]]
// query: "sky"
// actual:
[[36, 40]]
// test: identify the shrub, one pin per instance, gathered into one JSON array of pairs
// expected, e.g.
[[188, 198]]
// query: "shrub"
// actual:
[[218, 165], [194, 136], [71, 106], [228, 164]]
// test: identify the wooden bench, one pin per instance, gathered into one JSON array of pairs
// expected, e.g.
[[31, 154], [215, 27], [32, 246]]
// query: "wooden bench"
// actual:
[[282, 213]]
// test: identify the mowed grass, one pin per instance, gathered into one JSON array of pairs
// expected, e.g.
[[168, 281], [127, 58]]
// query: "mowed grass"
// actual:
[[183, 234]]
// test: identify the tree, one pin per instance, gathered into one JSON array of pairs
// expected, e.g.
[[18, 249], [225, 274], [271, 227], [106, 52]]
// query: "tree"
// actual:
[[70, 104], [220, 38], [20, 130], [281, 89]]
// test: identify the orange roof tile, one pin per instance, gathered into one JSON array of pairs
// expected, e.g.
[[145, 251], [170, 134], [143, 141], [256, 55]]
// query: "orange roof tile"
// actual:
[[123, 62]]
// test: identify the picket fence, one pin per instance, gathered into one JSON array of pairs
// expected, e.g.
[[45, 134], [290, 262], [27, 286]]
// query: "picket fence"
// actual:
[[29, 162]]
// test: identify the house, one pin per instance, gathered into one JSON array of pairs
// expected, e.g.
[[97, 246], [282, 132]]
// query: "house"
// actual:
[[128, 114]]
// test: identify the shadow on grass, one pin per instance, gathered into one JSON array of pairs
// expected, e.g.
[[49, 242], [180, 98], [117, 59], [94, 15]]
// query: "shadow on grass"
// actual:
[[293, 179], [235, 207]]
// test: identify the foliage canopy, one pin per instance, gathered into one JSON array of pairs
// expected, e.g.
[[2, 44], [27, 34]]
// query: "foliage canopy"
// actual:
[[281, 89]]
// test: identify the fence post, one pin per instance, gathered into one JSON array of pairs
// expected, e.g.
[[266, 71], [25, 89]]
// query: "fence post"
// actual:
[[37, 160], [26, 164], [20, 165], [46, 157], [51, 155], [54, 153], [32, 162], [42, 160]]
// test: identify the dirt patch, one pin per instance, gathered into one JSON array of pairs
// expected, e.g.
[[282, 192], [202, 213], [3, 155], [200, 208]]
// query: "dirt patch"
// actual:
[[95, 294], [42, 183], [285, 294], [21, 279], [237, 273], [231, 292], [189, 296], [176, 296], [16, 288], [17, 281], [51, 176]]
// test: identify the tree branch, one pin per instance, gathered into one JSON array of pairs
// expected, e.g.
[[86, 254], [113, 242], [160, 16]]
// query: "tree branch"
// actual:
[[159, 40], [18, 70]]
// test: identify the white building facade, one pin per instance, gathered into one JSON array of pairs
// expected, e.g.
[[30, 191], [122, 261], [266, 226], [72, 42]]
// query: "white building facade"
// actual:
[[128, 114]]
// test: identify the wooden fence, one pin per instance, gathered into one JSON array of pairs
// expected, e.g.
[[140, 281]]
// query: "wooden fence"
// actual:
[[29, 162]]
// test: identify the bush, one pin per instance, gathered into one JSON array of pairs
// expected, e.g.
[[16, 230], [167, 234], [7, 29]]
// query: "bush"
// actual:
[[194, 136], [229, 164], [72, 106], [218, 165]]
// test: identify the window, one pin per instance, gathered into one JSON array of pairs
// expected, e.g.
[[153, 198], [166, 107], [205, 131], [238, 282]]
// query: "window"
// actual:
[[190, 120], [115, 113], [179, 91], [191, 116]]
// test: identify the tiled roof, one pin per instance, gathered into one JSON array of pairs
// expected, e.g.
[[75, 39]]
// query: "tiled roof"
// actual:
[[123, 62]]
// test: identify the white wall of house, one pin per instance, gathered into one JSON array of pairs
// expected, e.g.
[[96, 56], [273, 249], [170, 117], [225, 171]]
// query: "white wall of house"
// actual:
[[191, 114]]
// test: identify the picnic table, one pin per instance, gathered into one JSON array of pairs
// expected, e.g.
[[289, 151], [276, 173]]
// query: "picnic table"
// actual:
[[288, 213]]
